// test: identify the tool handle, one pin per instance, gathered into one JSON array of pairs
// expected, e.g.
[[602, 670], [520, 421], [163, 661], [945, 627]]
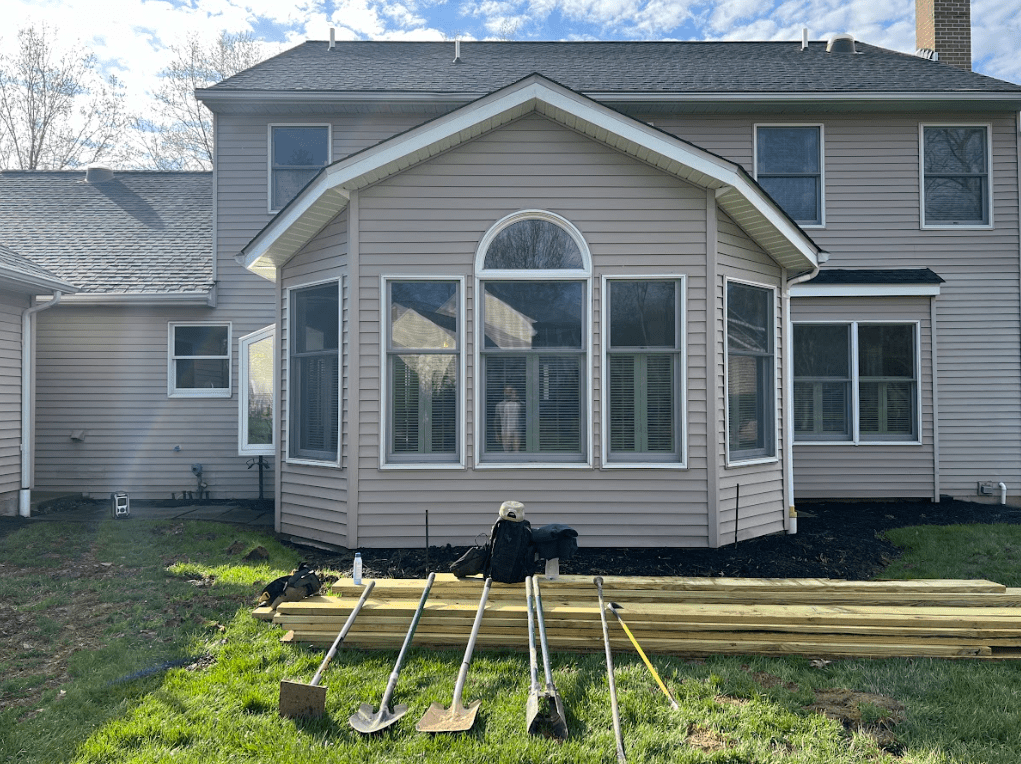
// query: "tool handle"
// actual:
[[343, 633], [463, 673], [392, 684], [648, 663], [532, 660], [609, 674], [542, 634]]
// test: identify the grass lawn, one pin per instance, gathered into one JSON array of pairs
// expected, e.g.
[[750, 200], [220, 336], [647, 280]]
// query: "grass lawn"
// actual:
[[131, 641]]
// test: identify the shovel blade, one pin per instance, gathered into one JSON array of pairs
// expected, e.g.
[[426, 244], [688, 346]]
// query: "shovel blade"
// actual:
[[367, 721], [457, 718], [544, 717], [301, 700]]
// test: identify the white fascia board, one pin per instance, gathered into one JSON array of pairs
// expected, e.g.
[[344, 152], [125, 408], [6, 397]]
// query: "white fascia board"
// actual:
[[865, 290], [23, 282], [182, 299]]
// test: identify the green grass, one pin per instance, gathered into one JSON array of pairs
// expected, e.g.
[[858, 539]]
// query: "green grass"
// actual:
[[958, 551], [101, 706]]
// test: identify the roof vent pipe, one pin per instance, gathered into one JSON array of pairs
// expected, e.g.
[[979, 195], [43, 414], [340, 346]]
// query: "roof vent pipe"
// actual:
[[333, 38], [841, 43], [98, 173], [804, 38], [457, 51]]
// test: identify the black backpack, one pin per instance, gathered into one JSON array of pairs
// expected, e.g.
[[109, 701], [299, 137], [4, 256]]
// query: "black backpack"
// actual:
[[511, 552]]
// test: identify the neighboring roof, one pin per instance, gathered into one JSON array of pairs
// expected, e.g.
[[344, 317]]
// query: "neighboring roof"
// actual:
[[606, 71], [877, 276], [141, 234], [21, 275], [328, 193]]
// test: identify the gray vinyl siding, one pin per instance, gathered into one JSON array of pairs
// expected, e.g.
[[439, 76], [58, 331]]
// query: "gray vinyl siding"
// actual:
[[871, 470], [751, 496], [11, 307]]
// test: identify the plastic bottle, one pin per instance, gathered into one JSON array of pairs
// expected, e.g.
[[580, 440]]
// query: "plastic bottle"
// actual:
[[356, 572]]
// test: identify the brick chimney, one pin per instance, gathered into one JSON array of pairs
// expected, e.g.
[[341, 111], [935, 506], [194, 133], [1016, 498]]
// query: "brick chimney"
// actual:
[[945, 27]]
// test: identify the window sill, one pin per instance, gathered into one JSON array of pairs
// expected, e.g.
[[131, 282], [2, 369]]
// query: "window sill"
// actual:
[[957, 227], [306, 462], [422, 466], [732, 463], [859, 443], [644, 466], [533, 466], [200, 394]]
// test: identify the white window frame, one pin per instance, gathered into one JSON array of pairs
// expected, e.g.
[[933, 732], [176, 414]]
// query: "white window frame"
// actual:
[[462, 370], [777, 372], [682, 382], [173, 391], [925, 226], [822, 164], [856, 439], [288, 308], [244, 448], [269, 156], [582, 275]]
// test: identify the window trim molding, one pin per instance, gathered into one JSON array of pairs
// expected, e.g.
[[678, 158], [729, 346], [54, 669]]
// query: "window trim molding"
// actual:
[[288, 457], [989, 179], [822, 164], [462, 370], [730, 461], [199, 392], [244, 449], [604, 350], [856, 440], [522, 274], [269, 156]]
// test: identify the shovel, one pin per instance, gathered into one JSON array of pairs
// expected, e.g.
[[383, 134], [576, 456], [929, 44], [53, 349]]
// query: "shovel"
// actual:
[[558, 716], [366, 720], [541, 715], [457, 718], [598, 581], [297, 699]]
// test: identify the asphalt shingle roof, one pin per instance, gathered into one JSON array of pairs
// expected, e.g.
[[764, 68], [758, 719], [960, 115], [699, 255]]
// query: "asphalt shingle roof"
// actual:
[[12, 261], [877, 276], [142, 232], [605, 67]]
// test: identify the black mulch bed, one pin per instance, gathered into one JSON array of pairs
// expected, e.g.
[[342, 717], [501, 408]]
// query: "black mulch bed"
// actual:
[[834, 540]]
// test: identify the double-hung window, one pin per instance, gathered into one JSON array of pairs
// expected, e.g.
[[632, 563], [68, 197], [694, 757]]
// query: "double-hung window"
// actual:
[[315, 372], [533, 356], [751, 418], [644, 370], [789, 166], [856, 382], [955, 175], [297, 154], [423, 347], [199, 361]]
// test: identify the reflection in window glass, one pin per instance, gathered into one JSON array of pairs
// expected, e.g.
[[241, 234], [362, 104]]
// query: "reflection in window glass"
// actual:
[[260, 392], [298, 154], [750, 364], [789, 168], [822, 381], [886, 385], [956, 175], [533, 244], [315, 372]]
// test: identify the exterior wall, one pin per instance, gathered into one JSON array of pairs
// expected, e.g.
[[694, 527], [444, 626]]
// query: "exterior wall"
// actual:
[[11, 306], [871, 470]]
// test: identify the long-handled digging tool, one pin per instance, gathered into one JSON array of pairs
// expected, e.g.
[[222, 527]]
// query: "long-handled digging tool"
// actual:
[[558, 716], [368, 721], [297, 699], [541, 717], [458, 718], [598, 581], [613, 607]]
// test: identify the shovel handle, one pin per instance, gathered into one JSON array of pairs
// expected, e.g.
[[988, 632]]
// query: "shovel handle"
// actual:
[[598, 581], [463, 673], [533, 662], [542, 635], [392, 684], [343, 633]]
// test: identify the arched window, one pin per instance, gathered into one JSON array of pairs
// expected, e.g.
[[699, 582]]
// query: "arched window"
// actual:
[[533, 352]]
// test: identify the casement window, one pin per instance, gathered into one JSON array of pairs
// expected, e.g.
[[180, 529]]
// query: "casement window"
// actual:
[[423, 361], [533, 357], [256, 400], [856, 382], [751, 391], [644, 370], [199, 361], [297, 154], [955, 175], [315, 372], [789, 166]]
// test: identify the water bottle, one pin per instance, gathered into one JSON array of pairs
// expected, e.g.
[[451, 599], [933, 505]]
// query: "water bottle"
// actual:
[[356, 572]]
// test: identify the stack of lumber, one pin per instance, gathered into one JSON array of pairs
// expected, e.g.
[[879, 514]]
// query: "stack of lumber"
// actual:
[[682, 616]]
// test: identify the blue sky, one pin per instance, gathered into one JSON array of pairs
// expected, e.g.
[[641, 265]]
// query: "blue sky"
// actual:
[[131, 37]]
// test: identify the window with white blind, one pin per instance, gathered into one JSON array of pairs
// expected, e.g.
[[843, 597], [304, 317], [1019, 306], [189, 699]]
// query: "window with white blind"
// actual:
[[955, 175], [644, 370], [856, 381], [751, 417], [533, 307], [423, 349], [315, 372]]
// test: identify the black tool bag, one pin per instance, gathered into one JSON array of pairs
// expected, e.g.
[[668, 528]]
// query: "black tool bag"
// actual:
[[511, 552], [472, 562], [555, 541]]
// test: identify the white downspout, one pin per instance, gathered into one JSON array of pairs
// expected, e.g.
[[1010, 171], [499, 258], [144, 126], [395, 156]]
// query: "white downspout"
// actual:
[[27, 396], [788, 391], [1003, 492]]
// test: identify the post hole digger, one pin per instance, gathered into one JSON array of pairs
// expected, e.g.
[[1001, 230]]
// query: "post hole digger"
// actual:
[[365, 720], [544, 710], [297, 699]]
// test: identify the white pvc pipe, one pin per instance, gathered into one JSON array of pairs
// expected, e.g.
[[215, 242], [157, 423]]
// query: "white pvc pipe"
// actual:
[[27, 430], [1003, 493]]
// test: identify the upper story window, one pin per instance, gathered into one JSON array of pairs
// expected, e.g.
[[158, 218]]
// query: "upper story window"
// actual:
[[955, 170], [533, 355], [199, 361], [315, 372], [297, 153], [751, 391], [789, 166]]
